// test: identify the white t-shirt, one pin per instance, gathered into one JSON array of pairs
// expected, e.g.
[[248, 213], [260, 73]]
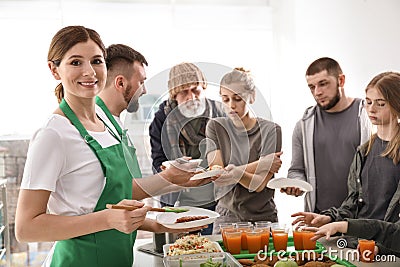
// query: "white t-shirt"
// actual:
[[60, 161]]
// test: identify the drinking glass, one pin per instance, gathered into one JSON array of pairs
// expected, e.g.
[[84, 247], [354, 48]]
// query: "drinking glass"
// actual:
[[265, 227], [225, 227], [254, 240], [279, 236], [307, 243], [243, 227], [366, 249], [298, 238], [234, 241]]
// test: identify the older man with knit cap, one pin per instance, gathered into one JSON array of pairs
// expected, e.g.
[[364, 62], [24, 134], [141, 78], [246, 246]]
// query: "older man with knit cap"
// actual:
[[178, 129]]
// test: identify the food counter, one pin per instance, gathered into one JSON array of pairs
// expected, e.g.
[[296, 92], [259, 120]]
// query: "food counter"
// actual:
[[143, 259]]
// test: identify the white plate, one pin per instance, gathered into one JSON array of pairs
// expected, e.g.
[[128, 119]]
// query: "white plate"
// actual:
[[206, 174], [168, 218], [289, 182], [167, 164]]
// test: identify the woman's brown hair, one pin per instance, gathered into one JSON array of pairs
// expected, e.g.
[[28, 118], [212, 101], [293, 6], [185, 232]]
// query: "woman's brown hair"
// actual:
[[388, 84], [64, 40]]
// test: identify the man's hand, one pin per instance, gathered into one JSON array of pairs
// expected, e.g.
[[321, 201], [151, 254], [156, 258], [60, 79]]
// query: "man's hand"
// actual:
[[292, 191], [311, 219], [180, 172]]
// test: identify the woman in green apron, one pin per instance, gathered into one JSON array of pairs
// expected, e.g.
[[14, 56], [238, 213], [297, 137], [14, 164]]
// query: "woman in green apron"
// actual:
[[76, 164]]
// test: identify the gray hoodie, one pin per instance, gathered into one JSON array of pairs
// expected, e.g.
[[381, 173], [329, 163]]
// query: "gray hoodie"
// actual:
[[302, 165]]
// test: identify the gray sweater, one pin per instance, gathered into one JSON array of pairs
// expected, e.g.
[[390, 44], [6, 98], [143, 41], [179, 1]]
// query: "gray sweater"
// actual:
[[352, 204], [302, 165]]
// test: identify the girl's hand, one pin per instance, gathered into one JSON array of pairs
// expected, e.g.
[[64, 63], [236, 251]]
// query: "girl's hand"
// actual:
[[127, 221], [328, 229], [231, 175], [271, 162]]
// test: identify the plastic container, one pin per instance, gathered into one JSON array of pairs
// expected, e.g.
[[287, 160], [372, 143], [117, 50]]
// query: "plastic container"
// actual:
[[194, 260]]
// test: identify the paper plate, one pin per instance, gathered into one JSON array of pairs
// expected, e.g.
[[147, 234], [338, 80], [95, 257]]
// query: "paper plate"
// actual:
[[289, 182], [168, 218], [167, 164], [206, 174]]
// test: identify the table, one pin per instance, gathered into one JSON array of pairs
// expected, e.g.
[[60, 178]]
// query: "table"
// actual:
[[143, 259]]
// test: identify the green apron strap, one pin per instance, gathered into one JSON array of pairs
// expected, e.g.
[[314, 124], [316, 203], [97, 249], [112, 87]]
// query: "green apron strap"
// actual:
[[93, 144], [127, 145], [103, 106]]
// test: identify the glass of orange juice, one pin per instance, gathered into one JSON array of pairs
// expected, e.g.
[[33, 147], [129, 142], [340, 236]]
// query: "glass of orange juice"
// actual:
[[254, 240], [265, 227], [298, 239], [279, 236], [298, 236], [243, 227], [226, 227], [234, 241], [307, 243], [367, 250]]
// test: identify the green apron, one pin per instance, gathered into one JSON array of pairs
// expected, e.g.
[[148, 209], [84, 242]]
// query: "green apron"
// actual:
[[110, 247]]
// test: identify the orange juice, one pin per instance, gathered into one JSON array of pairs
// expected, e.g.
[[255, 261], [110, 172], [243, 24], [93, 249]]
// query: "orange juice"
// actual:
[[264, 227], [225, 227], [243, 227], [265, 239], [223, 233], [298, 239], [307, 243], [253, 241], [244, 238], [280, 239], [366, 248], [234, 241]]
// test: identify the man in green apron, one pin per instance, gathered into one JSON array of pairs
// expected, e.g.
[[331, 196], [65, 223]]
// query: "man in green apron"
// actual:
[[125, 85]]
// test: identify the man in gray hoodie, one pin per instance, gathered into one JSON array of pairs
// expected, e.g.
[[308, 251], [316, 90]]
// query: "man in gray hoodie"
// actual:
[[325, 140]]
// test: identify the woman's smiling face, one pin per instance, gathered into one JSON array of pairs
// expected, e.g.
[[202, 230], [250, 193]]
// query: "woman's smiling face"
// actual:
[[82, 70]]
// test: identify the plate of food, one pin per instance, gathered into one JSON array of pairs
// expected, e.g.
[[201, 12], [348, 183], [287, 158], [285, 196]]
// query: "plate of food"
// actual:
[[277, 183], [209, 172], [194, 217]]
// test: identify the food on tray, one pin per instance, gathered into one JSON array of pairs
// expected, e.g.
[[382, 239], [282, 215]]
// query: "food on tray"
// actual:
[[215, 167], [312, 260], [190, 218], [210, 168], [192, 244], [210, 263]]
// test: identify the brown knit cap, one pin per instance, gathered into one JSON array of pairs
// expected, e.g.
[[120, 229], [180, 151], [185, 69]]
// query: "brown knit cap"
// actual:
[[182, 75]]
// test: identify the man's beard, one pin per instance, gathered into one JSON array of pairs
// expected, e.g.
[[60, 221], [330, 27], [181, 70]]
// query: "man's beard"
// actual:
[[193, 108], [331, 102], [133, 103]]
